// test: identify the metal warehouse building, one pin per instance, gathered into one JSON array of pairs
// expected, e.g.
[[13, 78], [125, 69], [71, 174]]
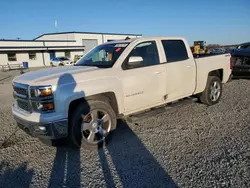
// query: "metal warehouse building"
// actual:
[[39, 51]]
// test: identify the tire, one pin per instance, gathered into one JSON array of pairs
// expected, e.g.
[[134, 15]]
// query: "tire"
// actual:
[[61, 65], [81, 135], [210, 96]]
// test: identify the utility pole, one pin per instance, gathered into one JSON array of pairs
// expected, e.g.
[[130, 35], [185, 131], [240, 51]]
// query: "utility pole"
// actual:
[[56, 25]]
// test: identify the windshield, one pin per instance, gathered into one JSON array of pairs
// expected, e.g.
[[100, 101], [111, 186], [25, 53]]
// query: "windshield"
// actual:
[[103, 56], [245, 46]]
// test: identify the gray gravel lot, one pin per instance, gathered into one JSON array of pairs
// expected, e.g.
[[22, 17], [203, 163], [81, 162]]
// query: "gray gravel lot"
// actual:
[[189, 146]]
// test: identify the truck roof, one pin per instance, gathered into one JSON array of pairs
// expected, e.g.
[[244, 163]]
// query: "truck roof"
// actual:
[[145, 38]]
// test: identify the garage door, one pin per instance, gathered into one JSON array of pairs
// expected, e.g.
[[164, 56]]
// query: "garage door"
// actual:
[[89, 44]]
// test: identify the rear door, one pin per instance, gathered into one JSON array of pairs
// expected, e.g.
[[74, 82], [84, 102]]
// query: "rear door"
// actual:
[[180, 70], [144, 86]]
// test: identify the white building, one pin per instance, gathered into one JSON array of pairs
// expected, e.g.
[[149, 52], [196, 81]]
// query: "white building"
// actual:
[[39, 51]]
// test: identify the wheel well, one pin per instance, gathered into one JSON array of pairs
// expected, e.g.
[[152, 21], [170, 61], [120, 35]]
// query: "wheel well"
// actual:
[[108, 96], [218, 73]]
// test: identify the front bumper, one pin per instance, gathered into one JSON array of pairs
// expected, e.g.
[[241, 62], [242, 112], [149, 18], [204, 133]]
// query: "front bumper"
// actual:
[[52, 130]]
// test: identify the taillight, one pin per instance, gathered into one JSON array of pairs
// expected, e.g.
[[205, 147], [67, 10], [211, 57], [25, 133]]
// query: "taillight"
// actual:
[[231, 60]]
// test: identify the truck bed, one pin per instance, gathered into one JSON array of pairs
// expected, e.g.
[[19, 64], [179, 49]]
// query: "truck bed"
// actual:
[[197, 56], [206, 64]]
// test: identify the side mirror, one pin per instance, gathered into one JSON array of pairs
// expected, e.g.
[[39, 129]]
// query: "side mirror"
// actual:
[[135, 61]]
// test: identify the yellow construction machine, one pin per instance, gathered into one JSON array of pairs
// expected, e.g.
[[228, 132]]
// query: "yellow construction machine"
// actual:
[[200, 47]]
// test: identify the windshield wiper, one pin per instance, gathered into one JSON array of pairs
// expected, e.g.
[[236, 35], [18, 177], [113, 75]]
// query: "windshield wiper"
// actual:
[[87, 65], [99, 66]]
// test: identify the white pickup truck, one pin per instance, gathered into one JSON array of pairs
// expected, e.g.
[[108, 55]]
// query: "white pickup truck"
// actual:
[[114, 80]]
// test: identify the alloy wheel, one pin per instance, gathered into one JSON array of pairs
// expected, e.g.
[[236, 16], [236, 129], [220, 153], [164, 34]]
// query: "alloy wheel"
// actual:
[[215, 91], [95, 126]]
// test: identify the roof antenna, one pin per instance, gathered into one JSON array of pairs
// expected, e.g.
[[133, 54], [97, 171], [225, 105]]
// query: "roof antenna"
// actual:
[[127, 38]]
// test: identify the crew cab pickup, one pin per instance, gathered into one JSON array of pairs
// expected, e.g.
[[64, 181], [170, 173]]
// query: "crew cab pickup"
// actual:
[[241, 61], [114, 80]]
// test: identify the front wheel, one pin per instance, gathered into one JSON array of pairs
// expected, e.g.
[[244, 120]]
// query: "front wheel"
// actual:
[[212, 93], [91, 123]]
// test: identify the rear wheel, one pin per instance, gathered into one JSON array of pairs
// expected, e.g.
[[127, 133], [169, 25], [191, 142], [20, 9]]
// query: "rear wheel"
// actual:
[[91, 123], [212, 93]]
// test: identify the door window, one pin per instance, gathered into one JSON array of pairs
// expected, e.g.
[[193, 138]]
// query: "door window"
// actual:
[[149, 53], [175, 50]]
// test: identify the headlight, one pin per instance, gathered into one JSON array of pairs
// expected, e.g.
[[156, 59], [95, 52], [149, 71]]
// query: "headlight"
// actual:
[[44, 91], [42, 98], [43, 106]]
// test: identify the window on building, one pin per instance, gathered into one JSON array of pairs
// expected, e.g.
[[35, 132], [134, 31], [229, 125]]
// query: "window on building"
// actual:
[[11, 57], [175, 50], [32, 56], [67, 54]]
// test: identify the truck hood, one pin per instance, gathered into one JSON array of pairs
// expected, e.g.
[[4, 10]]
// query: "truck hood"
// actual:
[[50, 76]]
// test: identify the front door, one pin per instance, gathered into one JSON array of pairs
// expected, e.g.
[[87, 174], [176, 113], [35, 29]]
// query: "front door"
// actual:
[[145, 85]]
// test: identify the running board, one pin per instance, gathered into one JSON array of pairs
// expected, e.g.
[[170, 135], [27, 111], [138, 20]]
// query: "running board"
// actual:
[[156, 111]]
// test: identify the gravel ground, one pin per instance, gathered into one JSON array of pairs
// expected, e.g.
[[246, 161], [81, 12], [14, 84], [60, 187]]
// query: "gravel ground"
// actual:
[[188, 146]]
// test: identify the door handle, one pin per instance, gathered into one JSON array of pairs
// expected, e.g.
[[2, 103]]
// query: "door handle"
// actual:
[[158, 72], [189, 66]]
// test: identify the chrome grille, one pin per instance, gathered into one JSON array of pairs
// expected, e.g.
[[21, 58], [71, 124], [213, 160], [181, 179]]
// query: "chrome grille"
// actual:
[[21, 96], [25, 97], [23, 104], [21, 91]]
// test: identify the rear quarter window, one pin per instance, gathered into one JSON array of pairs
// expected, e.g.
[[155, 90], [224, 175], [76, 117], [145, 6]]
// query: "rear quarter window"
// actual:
[[175, 50]]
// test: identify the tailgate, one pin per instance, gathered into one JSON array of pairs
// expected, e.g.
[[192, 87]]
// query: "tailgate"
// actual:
[[241, 63]]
